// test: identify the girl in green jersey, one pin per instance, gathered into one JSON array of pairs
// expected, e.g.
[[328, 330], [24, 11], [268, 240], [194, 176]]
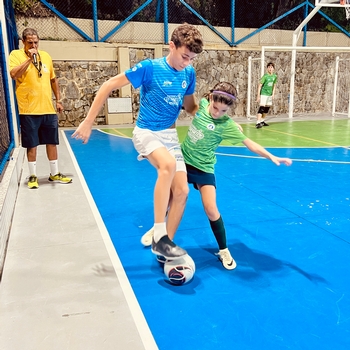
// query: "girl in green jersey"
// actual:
[[210, 126]]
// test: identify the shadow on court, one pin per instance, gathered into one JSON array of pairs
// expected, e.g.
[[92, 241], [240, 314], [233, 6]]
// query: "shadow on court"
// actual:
[[253, 264]]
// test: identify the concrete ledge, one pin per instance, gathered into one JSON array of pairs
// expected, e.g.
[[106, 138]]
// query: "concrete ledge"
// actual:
[[8, 194]]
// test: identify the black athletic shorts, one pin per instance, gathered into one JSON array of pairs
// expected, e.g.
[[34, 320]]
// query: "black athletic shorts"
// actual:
[[199, 177], [39, 130]]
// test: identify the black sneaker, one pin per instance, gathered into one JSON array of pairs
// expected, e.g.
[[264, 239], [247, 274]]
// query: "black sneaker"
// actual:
[[264, 124], [167, 248], [258, 125]]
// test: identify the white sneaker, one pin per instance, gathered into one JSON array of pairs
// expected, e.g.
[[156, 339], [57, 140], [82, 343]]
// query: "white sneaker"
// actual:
[[227, 261], [146, 239]]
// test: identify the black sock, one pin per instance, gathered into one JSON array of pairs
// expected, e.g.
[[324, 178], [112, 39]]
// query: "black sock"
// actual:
[[218, 229]]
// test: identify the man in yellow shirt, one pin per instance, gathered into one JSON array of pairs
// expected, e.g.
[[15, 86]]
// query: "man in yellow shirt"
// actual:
[[35, 80]]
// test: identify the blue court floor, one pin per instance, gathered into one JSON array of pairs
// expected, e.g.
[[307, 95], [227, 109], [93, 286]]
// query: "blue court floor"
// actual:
[[287, 227]]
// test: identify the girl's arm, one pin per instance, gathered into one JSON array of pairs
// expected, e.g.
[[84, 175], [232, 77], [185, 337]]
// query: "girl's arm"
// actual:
[[261, 151]]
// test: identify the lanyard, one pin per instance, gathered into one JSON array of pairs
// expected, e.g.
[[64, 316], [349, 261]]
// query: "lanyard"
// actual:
[[38, 65]]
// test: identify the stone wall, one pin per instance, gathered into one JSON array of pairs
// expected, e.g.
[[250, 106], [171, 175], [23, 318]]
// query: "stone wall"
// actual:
[[80, 80]]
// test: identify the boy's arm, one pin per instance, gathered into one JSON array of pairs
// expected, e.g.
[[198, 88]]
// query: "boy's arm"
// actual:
[[84, 130], [258, 149], [190, 104], [258, 94], [273, 91]]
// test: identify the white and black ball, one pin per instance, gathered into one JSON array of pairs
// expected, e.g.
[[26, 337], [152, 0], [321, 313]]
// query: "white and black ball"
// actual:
[[180, 271]]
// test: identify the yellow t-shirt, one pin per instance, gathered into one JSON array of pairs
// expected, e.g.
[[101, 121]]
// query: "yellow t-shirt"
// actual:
[[34, 93]]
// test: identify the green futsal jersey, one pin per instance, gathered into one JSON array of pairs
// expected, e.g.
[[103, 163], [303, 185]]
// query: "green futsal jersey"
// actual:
[[204, 136], [268, 81]]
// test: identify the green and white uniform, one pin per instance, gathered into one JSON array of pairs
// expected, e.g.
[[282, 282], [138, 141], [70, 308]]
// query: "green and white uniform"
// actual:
[[204, 136], [268, 82]]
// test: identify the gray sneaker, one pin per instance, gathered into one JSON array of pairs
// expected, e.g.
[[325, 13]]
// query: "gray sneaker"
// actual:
[[167, 248]]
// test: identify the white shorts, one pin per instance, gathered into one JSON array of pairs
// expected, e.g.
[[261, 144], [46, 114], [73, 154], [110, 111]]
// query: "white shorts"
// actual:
[[265, 100], [146, 141]]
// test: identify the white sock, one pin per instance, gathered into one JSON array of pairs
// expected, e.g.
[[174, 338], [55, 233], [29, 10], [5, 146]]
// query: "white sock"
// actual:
[[159, 231], [32, 168], [54, 167]]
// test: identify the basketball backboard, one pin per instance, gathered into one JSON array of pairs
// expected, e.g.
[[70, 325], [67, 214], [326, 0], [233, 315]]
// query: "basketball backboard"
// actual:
[[332, 3]]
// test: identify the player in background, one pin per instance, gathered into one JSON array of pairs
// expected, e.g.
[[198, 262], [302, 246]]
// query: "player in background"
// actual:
[[167, 84], [208, 129], [266, 93]]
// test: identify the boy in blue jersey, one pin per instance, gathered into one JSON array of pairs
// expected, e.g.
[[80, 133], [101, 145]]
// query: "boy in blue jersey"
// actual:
[[167, 84]]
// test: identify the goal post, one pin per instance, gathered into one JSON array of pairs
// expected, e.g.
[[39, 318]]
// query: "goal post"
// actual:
[[311, 83], [341, 88]]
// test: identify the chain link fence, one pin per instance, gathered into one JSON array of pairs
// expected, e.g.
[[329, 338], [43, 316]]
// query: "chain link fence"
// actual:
[[6, 132], [233, 22], [4, 126]]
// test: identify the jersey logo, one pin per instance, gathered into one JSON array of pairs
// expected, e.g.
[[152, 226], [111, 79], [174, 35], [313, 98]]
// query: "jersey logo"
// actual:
[[194, 134], [167, 83], [173, 100], [211, 127], [184, 84], [45, 69], [134, 69]]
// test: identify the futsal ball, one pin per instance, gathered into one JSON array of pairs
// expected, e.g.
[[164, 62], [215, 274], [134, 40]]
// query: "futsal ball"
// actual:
[[180, 271]]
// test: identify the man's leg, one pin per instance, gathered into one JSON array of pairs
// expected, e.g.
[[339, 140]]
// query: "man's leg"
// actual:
[[51, 151], [31, 157], [55, 175]]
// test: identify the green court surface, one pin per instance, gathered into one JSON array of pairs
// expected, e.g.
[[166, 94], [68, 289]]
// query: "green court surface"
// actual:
[[316, 133]]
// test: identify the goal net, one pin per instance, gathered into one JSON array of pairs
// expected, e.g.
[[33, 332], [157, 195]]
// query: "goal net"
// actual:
[[306, 85]]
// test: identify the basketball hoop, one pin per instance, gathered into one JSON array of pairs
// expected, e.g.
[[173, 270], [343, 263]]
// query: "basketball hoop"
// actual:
[[347, 8]]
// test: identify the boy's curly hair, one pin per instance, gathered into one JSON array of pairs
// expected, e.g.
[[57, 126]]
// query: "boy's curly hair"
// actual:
[[189, 36]]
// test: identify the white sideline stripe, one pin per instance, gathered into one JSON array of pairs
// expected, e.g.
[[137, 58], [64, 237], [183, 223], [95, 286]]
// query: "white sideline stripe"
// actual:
[[233, 146], [110, 134], [135, 309], [293, 159]]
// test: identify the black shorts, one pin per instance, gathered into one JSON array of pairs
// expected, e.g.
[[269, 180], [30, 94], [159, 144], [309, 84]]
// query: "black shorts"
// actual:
[[39, 130], [199, 177]]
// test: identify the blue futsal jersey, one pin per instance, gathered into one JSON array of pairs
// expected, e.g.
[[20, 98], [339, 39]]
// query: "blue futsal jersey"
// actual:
[[162, 91]]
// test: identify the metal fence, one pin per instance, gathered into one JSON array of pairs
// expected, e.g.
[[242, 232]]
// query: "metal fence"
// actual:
[[108, 17], [6, 126]]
